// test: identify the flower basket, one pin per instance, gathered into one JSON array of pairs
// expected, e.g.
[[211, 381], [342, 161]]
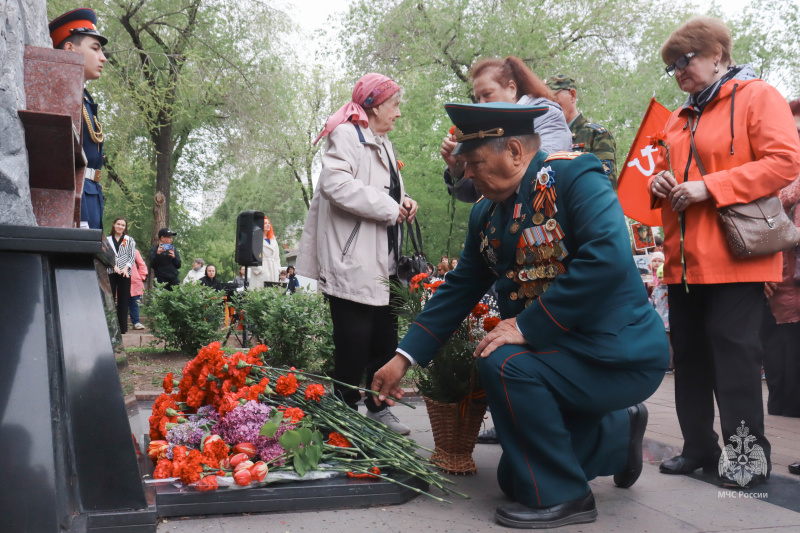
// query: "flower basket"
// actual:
[[454, 434]]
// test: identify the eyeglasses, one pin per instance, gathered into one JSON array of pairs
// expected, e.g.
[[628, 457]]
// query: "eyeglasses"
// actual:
[[680, 64]]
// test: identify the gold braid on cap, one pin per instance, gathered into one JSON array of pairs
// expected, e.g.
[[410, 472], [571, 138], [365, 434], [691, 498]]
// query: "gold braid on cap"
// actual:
[[97, 136], [460, 137]]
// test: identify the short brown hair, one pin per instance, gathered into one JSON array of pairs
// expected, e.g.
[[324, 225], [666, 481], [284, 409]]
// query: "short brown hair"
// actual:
[[702, 35], [794, 105], [513, 68]]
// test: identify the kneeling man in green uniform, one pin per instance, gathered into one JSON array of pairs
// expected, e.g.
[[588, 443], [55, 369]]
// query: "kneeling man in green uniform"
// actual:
[[579, 347]]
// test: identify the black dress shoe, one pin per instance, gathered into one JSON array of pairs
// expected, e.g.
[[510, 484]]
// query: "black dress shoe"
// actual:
[[681, 465], [521, 516], [488, 436], [633, 469], [794, 468]]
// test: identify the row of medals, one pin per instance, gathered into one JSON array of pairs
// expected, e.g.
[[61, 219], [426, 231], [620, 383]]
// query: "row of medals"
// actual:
[[536, 267]]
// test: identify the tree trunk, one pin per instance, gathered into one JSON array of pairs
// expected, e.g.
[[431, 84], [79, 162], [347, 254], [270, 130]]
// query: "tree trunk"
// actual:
[[163, 141]]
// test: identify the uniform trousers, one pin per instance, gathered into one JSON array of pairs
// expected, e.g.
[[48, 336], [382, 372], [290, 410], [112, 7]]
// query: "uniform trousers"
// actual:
[[715, 334], [561, 419], [365, 339], [121, 289]]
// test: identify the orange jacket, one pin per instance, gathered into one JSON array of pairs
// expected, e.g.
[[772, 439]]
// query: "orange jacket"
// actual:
[[748, 143]]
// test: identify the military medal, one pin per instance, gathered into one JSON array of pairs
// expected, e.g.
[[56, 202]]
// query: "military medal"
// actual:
[[530, 290], [545, 193], [517, 213], [551, 224], [513, 295], [529, 302], [538, 218], [557, 251], [521, 292], [520, 256], [495, 243], [510, 274]]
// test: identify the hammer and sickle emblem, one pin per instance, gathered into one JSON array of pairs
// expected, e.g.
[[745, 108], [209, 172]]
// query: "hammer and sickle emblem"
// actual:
[[647, 152]]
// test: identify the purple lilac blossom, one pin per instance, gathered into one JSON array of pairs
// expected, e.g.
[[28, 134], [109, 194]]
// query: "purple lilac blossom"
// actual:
[[243, 423], [186, 434], [208, 411], [269, 448]]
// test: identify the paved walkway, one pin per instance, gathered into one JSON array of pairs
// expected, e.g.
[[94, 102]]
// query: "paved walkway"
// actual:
[[656, 503]]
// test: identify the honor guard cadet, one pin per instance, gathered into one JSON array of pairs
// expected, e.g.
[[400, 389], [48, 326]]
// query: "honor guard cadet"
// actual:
[[586, 136], [579, 347], [76, 31]]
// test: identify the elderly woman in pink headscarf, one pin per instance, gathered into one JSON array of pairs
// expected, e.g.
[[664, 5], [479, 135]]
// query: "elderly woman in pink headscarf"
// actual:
[[350, 241]]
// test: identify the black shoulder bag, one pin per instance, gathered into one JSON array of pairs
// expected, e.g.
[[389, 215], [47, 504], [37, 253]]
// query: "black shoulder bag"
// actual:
[[409, 266]]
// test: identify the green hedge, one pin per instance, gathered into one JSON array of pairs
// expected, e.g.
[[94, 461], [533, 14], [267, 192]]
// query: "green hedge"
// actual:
[[297, 328], [186, 318]]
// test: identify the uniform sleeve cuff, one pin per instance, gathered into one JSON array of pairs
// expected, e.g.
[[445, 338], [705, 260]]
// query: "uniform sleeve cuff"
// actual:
[[407, 356]]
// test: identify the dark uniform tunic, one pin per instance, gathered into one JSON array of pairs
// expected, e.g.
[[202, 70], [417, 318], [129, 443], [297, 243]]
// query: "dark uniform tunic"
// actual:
[[595, 345], [595, 139], [92, 197]]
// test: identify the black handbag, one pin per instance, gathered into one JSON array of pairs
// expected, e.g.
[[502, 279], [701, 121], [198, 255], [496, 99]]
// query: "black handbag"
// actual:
[[409, 266]]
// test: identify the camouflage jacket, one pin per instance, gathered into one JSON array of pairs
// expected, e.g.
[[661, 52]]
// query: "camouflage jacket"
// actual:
[[595, 139]]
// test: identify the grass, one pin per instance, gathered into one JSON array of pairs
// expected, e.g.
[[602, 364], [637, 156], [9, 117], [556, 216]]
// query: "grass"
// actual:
[[147, 349]]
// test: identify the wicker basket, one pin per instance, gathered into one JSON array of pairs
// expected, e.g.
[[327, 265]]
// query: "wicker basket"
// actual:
[[454, 435]]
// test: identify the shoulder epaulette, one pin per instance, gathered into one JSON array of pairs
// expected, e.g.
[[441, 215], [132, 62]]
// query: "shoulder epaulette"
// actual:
[[563, 155], [479, 200], [596, 127]]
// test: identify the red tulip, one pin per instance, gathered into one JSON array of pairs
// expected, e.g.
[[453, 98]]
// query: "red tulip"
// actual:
[[247, 448], [259, 471], [238, 458], [244, 465], [225, 464], [157, 450], [243, 478]]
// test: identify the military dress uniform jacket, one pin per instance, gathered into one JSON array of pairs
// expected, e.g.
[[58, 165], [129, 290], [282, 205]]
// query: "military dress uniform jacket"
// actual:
[[595, 139], [594, 344], [92, 196], [598, 307]]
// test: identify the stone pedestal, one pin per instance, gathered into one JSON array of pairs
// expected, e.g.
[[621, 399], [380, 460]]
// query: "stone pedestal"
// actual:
[[69, 459]]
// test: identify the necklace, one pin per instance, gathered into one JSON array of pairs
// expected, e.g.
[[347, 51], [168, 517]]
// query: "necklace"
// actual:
[[97, 136]]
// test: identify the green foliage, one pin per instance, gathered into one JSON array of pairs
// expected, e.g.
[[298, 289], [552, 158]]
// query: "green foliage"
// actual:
[[187, 318], [305, 446], [452, 374], [297, 328]]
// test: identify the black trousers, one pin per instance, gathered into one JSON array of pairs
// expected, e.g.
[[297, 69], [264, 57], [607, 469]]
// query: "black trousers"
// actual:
[[121, 289], [718, 352], [365, 339], [781, 365]]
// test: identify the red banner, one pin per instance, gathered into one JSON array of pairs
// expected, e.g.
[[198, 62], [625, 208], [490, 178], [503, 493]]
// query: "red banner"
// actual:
[[640, 165]]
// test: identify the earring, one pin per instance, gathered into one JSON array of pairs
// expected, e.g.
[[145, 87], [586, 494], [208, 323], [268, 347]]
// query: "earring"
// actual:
[[716, 68]]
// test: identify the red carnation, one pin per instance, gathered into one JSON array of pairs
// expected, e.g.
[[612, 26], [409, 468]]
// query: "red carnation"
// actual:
[[315, 391], [286, 385], [294, 413], [168, 383], [207, 483], [490, 322]]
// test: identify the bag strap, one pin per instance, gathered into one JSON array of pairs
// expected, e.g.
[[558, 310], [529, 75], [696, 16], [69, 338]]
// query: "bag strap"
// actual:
[[694, 148], [416, 242]]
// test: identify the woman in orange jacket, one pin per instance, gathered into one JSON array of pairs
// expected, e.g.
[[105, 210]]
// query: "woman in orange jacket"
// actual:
[[745, 138]]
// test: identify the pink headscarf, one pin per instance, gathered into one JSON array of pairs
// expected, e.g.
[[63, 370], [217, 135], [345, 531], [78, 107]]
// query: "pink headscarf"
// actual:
[[370, 91]]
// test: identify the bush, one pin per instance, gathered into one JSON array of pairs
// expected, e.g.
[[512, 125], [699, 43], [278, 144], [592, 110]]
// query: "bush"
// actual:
[[186, 318], [297, 328]]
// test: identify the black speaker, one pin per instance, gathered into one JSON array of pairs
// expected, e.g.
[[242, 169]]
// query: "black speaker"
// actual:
[[249, 238]]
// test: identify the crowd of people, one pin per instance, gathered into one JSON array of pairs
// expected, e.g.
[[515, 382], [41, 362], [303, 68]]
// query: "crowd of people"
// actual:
[[582, 342]]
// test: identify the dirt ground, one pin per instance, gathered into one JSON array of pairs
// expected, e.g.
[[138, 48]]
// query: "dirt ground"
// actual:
[[145, 371]]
